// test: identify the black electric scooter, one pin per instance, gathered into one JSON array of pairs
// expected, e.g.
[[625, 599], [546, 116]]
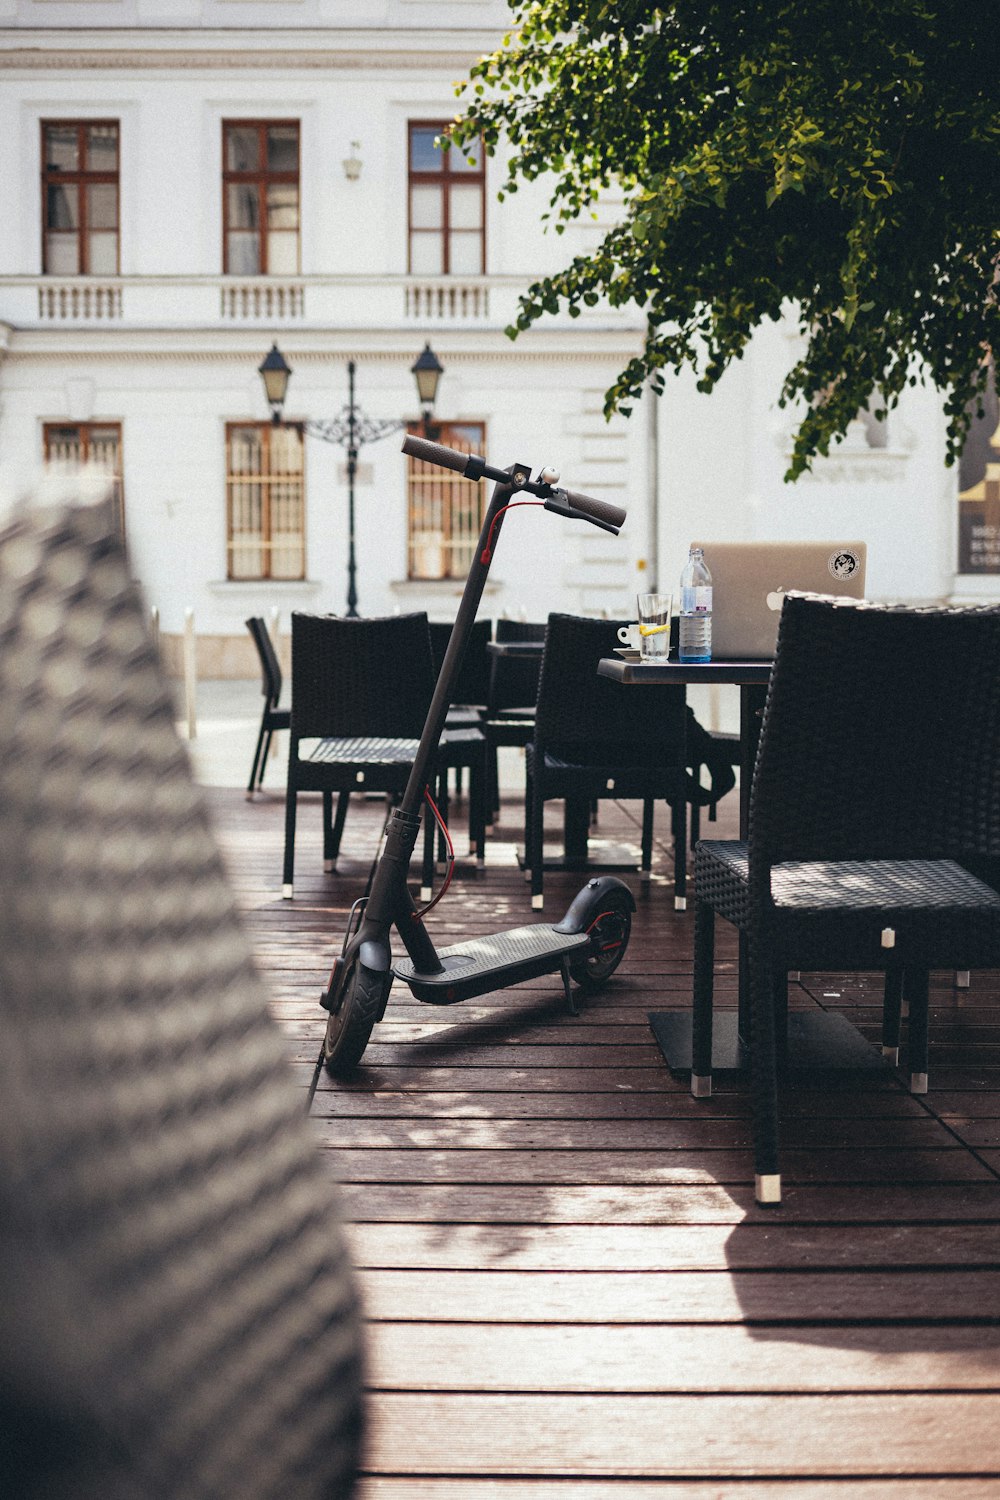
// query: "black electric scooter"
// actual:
[[590, 941]]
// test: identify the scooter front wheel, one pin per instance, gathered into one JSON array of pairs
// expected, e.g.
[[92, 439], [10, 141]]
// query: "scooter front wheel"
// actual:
[[348, 1031], [609, 935]]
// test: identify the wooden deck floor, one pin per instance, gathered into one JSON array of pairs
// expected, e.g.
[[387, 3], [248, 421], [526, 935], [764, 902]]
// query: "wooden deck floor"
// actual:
[[571, 1293]]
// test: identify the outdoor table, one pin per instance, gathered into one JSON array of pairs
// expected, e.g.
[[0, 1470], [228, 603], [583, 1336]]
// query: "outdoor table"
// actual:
[[819, 1039]]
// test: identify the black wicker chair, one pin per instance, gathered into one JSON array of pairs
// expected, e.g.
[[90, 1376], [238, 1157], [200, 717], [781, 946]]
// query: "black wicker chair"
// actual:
[[877, 771], [592, 741], [273, 717], [464, 746], [361, 688], [179, 1317], [510, 703]]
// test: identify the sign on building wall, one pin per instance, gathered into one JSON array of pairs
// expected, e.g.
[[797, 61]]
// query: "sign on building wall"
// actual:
[[979, 491]]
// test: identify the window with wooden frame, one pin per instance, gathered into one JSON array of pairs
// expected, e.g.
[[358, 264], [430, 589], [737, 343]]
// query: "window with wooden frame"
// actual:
[[260, 197], [80, 215], [447, 204], [98, 443], [265, 501], [445, 510]]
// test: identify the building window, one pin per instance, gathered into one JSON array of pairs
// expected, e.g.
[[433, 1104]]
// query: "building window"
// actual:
[[80, 197], [445, 510], [265, 501], [260, 197], [447, 205], [98, 443]]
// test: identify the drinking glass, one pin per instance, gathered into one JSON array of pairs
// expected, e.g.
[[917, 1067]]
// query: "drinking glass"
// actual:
[[654, 626]]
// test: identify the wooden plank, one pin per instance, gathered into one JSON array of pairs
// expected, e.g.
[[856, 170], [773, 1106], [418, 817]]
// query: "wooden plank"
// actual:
[[676, 1247], [411, 1487], [704, 1203], [377, 1103], [660, 1436], [642, 1139], [683, 1296], [678, 1358], [681, 1165]]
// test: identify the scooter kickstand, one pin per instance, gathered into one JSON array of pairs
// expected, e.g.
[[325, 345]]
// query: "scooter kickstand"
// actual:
[[571, 1004]]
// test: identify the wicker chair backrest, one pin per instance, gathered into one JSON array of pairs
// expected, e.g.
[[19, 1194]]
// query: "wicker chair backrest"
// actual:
[[473, 684], [881, 737], [514, 680], [360, 677], [589, 716], [182, 1319], [270, 667]]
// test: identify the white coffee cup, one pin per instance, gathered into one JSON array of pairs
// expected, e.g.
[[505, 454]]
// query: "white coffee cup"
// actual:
[[629, 636]]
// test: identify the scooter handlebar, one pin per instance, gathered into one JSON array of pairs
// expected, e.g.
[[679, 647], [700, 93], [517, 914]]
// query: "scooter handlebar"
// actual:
[[436, 453], [602, 512], [563, 502]]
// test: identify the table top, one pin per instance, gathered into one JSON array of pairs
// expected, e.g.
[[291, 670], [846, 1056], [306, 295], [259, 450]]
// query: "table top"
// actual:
[[515, 648], [629, 670]]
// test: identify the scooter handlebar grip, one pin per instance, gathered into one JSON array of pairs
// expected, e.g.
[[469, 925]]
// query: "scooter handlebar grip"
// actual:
[[435, 453], [599, 510]]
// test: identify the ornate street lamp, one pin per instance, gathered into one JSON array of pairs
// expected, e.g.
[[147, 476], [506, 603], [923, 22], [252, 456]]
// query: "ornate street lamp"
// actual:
[[351, 429]]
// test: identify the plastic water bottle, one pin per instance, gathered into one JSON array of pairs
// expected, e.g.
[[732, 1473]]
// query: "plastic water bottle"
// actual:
[[695, 637]]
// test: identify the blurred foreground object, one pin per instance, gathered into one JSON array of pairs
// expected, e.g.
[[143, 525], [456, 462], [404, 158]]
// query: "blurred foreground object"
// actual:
[[179, 1318]]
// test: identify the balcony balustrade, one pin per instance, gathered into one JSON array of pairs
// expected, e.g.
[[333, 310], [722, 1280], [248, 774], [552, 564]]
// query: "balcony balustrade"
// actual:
[[361, 302]]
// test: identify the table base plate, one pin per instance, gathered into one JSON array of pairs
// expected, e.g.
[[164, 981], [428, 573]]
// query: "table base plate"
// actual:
[[817, 1042], [601, 858]]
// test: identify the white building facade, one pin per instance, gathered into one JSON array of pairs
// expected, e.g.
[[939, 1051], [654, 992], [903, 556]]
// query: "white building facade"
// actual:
[[190, 181]]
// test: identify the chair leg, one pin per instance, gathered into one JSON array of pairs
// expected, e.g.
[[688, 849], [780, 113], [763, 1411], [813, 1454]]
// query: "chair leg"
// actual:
[[763, 1075], [263, 758], [444, 808], [678, 819], [427, 866], [779, 995], [892, 1010], [917, 983], [256, 761], [327, 831], [534, 844], [477, 807], [492, 783], [695, 823], [288, 872], [647, 838], [704, 985], [343, 802]]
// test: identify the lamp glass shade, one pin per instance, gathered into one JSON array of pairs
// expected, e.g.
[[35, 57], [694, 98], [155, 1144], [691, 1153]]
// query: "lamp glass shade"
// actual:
[[427, 370], [274, 371]]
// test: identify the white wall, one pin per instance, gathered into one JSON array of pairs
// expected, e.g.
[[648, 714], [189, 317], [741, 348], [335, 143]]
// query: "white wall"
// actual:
[[173, 370]]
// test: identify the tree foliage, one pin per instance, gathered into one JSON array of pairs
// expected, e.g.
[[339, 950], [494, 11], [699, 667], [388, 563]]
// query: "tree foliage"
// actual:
[[841, 157]]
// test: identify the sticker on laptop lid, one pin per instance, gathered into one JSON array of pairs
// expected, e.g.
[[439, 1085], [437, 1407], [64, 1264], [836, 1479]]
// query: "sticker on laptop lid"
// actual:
[[844, 565]]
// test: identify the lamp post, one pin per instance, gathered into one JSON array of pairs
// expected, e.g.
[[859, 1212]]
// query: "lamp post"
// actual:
[[351, 429]]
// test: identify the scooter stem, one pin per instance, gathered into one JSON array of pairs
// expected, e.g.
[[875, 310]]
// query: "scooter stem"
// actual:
[[413, 796], [389, 901]]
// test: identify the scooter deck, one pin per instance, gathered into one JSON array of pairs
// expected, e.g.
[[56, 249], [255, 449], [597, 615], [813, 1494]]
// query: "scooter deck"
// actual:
[[492, 962]]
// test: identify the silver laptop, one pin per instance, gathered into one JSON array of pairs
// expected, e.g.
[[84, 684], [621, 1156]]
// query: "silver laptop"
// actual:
[[750, 578]]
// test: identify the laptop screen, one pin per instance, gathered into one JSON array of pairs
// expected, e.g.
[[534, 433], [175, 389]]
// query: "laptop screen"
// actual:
[[750, 578]]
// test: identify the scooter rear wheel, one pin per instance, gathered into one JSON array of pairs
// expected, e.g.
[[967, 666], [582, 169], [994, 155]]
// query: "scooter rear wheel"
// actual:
[[609, 934], [348, 1032]]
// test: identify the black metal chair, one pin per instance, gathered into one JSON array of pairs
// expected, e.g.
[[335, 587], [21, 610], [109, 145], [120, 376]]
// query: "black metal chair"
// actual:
[[877, 772], [511, 696], [273, 717], [179, 1314], [592, 741]]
